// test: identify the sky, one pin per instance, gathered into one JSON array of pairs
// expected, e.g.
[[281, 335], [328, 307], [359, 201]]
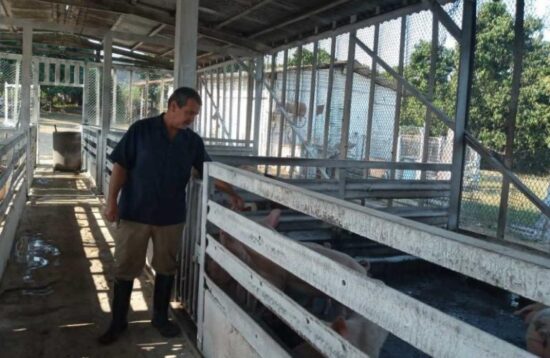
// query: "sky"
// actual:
[[419, 28]]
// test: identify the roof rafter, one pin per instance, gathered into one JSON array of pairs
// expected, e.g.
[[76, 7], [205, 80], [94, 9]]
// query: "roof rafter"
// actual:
[[163, 17]]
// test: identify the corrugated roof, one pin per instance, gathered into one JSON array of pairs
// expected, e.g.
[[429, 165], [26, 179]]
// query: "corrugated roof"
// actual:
[[243, 26]]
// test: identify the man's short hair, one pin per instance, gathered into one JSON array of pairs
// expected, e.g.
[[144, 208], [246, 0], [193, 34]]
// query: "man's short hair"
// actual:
[[183, 94]]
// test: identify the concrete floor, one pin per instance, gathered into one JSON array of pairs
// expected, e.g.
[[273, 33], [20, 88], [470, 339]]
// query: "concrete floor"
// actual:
[[55, 297]]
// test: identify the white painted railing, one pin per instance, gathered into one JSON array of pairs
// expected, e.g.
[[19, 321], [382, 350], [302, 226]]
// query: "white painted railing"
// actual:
[[13, 186], [521, 272]]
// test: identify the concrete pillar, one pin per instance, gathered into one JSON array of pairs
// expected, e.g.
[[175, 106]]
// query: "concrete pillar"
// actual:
[[185, 60]]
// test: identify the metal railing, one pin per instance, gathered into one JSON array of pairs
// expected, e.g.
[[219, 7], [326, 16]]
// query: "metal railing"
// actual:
[[386, 307]]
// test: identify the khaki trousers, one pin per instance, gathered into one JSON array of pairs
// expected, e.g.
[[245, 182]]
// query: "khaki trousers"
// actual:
[[131, 240]]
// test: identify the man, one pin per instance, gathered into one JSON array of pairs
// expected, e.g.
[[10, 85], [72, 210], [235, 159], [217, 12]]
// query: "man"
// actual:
[[151, 165]]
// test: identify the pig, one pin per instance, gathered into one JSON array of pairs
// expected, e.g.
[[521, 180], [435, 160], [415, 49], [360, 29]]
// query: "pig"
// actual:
[[279, 277], [357, 330], [361, 332], [537, 318]]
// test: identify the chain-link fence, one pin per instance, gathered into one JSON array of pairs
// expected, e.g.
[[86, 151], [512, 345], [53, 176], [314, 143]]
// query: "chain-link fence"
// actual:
[[10, 91], [92, 96], [137, 94], [491, 108]]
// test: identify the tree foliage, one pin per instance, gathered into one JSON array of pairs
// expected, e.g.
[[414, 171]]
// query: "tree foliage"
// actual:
[[323, 58], [491, 89]]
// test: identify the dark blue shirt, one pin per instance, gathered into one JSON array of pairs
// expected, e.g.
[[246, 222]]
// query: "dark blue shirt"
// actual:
[[158, 170]]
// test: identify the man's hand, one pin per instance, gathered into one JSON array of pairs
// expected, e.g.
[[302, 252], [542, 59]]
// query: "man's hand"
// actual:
[[111, 212], [237, 203]]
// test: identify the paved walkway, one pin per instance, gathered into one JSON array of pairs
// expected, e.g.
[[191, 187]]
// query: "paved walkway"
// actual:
[[54, 297]]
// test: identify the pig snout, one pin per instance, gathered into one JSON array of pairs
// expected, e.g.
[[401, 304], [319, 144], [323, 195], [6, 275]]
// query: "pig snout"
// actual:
[[538, 334], [537, 317]]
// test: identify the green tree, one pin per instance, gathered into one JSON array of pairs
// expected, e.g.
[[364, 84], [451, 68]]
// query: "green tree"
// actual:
[[418, 73], [491, 90], [323, 58]]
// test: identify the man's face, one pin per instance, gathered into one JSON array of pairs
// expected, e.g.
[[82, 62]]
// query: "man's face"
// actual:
[[184, 116]]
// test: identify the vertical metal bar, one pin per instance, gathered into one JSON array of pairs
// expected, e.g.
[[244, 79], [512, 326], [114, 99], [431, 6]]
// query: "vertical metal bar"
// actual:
[[259, 79], [130, 102], [146, 94], [230, 118], [162, 104], [273, 75], [431, 85], [202, 115], [218, 114], [98, 96], [312, 93], [186, 35], [283, 104], [297, 89], [348, 92], [223, 104], [297, 96], [85, 95], [372, 89], [25, 113], [202, 252], [512, 114], [35, 95], [329, 96], [467, 47], [76, 74], [114, 103], [239, 94], [250, 99], [212, 119], [106, 108], [16, 93], [399, 94], [67, 78], [6, 103], [46, 72], [57, 72]]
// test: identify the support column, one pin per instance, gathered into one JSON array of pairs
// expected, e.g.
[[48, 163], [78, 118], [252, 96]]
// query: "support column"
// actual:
[[25, 112], [185, 52], [259, 79], [348, 91], [106, 107], [467, 45], [512, 114], [85, 94]]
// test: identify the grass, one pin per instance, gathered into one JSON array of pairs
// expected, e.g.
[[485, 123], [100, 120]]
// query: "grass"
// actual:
[[481, 201]]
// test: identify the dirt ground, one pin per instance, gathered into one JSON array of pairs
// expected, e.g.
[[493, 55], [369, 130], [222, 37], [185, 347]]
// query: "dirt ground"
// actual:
[[55, 297]]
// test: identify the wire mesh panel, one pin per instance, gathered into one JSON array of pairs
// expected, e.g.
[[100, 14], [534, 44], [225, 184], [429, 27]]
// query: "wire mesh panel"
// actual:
[[139, 93], [10, 91], [122, 98], [525, 223], [92, 95]]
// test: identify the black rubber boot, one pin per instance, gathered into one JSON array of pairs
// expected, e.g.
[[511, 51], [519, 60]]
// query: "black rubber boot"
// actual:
[[161, 300], [122, 291]]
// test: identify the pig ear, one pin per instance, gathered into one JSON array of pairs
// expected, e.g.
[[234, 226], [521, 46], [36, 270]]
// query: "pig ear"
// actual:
[[340, 326], [272, 220]]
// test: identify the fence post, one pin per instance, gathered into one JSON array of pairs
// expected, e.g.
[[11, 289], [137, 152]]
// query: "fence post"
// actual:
[[106, 107], [467, 45], [25, 112], [511, 118]]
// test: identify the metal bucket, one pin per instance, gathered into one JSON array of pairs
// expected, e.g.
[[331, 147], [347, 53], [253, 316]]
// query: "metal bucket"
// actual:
[[67, 154]]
